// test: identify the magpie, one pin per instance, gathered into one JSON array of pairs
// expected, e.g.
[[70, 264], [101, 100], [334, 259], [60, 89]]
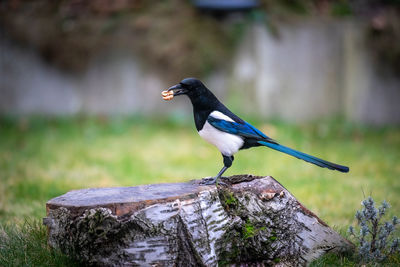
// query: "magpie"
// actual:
[[219, 126]]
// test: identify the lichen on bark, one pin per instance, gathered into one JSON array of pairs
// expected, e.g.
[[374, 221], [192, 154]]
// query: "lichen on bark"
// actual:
[[257, 234]]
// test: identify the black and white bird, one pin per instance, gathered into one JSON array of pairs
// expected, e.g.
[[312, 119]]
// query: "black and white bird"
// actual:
[[220, 127]]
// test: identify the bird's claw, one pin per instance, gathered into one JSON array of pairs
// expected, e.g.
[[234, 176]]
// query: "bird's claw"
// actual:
[[208, 181], [212, 181]]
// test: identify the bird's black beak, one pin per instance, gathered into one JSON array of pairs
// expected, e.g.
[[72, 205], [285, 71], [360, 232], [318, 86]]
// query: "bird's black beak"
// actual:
[[177, 89]]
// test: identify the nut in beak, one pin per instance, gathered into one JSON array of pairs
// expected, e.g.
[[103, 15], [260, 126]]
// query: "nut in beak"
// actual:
[[167, 95]]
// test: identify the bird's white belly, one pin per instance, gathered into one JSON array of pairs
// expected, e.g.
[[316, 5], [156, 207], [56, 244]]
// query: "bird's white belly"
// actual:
[[228, 144]]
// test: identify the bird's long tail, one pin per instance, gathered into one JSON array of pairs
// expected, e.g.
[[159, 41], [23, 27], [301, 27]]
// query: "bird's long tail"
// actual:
[[300, 155]]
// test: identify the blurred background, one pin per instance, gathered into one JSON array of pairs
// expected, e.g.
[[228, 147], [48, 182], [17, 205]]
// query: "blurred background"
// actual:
[[295, 60], [80, 102]]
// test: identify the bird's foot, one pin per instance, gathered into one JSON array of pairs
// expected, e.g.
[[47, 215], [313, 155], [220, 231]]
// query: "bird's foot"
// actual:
[[212, 181], [209, 181]]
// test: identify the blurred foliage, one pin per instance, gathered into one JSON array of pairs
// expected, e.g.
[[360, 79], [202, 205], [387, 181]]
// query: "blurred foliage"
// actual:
[[384, 38], [173, 37], [41, 158]]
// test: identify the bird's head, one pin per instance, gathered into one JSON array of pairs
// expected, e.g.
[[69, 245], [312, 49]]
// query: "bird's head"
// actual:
[[190, 87]]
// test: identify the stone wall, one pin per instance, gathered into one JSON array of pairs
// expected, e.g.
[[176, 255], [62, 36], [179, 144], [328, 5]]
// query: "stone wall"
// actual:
[[312, 69]]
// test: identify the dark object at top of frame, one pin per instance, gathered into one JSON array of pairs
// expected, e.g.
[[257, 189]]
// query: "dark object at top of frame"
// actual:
[[226, 5]]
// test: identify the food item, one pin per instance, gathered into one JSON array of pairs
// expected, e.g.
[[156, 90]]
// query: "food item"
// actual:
[[167, 95]]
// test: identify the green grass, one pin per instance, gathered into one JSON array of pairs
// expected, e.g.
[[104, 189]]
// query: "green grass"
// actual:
[[43, 158], [26, 245]]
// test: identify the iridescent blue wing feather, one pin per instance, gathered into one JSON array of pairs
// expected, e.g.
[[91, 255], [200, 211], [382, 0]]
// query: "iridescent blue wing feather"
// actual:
[[245, 129]]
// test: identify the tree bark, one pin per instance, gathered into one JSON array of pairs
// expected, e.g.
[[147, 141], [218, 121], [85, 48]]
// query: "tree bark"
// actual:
[[252, 221]]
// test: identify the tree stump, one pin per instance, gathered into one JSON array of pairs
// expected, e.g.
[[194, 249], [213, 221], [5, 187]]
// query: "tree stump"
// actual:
[[252, 221]]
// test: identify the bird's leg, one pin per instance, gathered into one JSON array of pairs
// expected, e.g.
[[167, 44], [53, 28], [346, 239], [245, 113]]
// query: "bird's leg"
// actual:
[[227, 163], [211, 181]]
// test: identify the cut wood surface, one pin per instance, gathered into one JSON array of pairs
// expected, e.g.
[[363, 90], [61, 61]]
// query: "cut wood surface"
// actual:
[[251, 221]]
